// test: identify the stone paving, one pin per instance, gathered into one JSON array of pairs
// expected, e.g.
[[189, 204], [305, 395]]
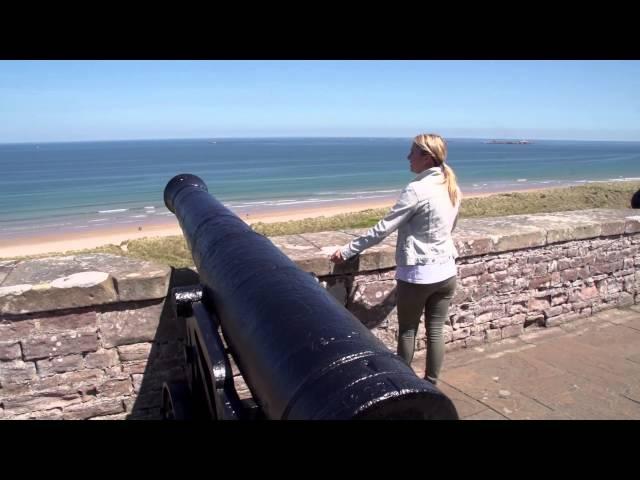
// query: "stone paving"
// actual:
[[588, 369]]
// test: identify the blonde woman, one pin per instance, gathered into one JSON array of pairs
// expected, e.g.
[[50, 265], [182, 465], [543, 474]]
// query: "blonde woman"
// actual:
[[424, 215]]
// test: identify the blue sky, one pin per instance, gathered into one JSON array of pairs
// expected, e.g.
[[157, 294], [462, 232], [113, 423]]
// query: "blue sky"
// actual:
[[103, 100]]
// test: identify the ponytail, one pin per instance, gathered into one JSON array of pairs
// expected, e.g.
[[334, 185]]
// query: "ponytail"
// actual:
[[452, 185]]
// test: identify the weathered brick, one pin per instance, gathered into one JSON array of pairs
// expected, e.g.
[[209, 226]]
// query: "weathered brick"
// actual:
[[85, 321], [538, 304], [25, 404], [493, 335], [94, 408], [473, 269], [16, 371], [134, 367], [118, 416], [502, 277], [497, 265], [572, 252], [566, 317], [612, 256], [606, 267], [68, 383], [583, 272], [585, 293], [569, 275], [115, 388], [469, 281], [53, 414], [16, 331], [553, 311], [563, 264], [55, 365], [103, 358], [559, 299], [137, 351], [517, 308], [537, 282], [129, 326], [541, 269], [64, 343], [485, 317], [136, 379], [10, 351]]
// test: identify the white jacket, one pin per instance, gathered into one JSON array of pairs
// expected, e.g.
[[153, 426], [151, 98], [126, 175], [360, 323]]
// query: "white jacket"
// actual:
[[424, 218]]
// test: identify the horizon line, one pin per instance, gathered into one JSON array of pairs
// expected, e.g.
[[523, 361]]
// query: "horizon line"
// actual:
[[394, 137]]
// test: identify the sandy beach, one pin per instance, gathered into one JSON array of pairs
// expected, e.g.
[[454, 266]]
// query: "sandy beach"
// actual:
[[116, 235]]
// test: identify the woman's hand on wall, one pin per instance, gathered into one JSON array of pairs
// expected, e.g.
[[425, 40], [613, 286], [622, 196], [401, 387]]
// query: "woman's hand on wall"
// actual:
[[337, 257]]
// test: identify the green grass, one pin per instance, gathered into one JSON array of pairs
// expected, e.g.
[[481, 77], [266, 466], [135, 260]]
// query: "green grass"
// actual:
[[609, 195], [173, 250]]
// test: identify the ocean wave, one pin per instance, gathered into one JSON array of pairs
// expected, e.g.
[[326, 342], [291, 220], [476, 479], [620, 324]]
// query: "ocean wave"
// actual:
[[625, 179], [138, 216], [35, 227], [282, 203], [113, 211], [290, 201], [372, 191], [99, 220]]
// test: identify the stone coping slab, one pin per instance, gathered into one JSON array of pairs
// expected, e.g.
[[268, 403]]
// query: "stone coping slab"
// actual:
[[56, 283], [473, 236]]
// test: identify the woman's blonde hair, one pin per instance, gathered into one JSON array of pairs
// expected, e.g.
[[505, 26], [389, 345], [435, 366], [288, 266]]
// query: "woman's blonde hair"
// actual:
[[436, 146]]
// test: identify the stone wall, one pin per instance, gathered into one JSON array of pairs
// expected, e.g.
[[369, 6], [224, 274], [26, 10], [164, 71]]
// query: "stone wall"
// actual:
[[85, 337], [92, 337], [515, 274]]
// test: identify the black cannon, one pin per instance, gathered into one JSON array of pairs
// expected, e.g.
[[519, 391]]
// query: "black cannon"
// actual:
[[302, 354]]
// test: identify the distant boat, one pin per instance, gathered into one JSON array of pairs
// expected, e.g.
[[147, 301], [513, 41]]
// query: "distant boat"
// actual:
[[212, 141], [508, 142]]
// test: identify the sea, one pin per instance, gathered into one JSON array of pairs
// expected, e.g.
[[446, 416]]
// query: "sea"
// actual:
[[79, 186]]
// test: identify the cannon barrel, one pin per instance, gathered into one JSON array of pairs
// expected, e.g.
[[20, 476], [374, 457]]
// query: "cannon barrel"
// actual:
[[302, 354]]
